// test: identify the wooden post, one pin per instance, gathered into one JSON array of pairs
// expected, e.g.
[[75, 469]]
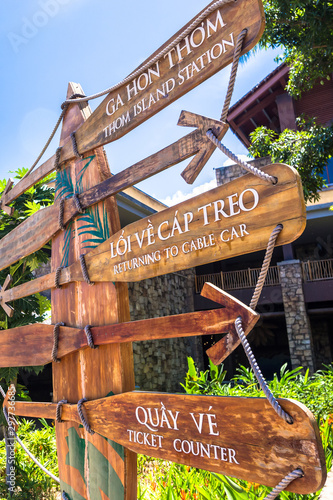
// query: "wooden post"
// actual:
[[91, 467]]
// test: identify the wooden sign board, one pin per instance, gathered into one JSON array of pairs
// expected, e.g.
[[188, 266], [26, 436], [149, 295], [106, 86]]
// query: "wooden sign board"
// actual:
[[241, 437], [233, 219], [203, 52]]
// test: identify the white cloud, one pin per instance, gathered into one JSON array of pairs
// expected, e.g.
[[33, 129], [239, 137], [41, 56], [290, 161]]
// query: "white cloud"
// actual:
[[179, 196], [229, 162]]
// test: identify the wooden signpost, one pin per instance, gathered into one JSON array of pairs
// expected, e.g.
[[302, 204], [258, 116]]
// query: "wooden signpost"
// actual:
[[239, 437], [242, 437]]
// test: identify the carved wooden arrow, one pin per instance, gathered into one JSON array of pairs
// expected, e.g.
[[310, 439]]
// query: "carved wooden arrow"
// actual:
[[32, 345], [38, 229], [192, 233], [240, 437]]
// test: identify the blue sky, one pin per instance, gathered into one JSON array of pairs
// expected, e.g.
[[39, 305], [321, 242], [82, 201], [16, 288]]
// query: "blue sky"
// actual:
[[47, 43]]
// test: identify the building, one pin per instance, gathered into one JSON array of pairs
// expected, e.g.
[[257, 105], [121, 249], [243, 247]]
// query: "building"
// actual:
[[296, 304]]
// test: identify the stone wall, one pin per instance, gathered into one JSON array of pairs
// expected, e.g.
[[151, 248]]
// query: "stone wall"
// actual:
[[297, 321], [161, 365], [232, 172]]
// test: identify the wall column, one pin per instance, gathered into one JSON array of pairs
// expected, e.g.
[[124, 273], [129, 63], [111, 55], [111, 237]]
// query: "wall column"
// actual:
[[297, 320]]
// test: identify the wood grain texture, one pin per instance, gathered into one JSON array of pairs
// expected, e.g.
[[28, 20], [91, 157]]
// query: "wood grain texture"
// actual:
[[90, 373], [39, 228], [32, 345], [241, 437]]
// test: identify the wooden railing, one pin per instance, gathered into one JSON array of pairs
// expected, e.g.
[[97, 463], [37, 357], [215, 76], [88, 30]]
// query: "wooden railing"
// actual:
[[317, 270], [235, 280], [313, 270]]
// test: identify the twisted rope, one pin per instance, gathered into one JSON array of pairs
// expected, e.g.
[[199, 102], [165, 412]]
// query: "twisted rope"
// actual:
[[83, 420], [64, 496], [241, 163], [84, 270], [61, 215], [56, 342], [57, 159], [283, 485], [34, 459], [262, 382], [265, 265], [57, 277], [59, 410], [74, 144], [78, 204], [89, 336], [233, 74], [162, 53]]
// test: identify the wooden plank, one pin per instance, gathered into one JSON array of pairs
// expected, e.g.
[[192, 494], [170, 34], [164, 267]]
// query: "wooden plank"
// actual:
[[228, 221], [90, 466], [32, 345], [38, 229], [240, 437]]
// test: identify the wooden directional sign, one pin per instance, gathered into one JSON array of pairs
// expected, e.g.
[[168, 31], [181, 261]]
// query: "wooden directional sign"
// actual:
[[233, 219], [208, 48], [241, 437], [32, 345], [39, 228]]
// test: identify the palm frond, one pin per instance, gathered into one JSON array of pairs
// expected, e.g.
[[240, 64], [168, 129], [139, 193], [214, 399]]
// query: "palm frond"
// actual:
[[64, 186]]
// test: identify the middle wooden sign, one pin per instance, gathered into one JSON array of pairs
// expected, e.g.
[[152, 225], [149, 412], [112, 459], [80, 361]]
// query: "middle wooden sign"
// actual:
[[233, 219]]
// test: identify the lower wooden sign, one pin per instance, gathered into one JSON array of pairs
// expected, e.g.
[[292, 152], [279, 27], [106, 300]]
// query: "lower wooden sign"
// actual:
[[240, 437]]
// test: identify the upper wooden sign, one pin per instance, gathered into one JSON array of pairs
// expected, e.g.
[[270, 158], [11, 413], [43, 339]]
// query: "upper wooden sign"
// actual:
[[195, 58]]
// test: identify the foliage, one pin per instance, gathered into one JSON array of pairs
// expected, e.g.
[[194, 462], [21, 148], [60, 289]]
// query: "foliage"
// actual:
[[31, 309], [31, 482], [307, 149], [168, 481], [304, 29]]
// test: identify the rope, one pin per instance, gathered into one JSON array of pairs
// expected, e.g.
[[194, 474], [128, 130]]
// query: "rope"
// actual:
[[262, 382], [57, 159], [84, 270], [83, 420], [89, 336], [265, 265], [233, 73], [55, 478], [74, 144], [64, 496], [59, 410], [61, 215], [243, 164], [78, 204], [57, 277], [162, 53], [56, 342], [283, 485]]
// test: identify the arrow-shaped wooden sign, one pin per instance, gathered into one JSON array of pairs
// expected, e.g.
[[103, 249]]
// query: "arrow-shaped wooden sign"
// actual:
[[204, 51], [241, 437], [32, 345], [39, 228], [233, 219]]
